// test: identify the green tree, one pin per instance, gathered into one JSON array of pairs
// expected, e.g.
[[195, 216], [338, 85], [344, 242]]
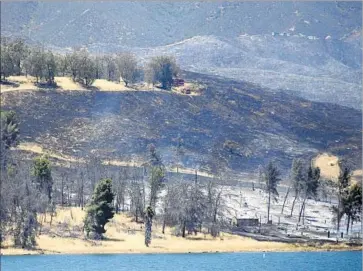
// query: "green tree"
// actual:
[[272, 178], [127, 66], [100, 210], [62, 63], [111, 67], [155, 183], [86, 67], [51, 67], [7, 65], [37, 61], [9, 134], [26, 223], [161, 69], [9, 128], [99, 66], [157, 174], [18, 52], [73, 63], [43, 175], [149, 214]]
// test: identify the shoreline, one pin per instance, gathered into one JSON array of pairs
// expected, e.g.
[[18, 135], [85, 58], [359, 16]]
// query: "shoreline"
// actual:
[[293, 248]]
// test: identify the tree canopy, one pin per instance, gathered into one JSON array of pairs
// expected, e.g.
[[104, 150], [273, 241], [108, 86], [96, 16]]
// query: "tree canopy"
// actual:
[[100, 209]]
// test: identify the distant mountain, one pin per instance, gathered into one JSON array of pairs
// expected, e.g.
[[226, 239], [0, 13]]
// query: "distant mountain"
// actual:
[[158, 23], [311, 49], [316, 69]]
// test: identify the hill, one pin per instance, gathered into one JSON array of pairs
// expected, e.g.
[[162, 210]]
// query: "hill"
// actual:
[[312, 50], [67, 24], [232, 125], [315, 69]]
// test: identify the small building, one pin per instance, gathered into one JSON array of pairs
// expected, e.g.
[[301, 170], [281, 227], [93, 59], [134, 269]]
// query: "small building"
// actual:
[[245, 222]]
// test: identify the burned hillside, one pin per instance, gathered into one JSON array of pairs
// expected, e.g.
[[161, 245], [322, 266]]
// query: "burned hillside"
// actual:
[[233, 125]]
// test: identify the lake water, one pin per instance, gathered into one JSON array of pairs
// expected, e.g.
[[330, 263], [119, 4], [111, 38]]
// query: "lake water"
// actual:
[[304, 261]]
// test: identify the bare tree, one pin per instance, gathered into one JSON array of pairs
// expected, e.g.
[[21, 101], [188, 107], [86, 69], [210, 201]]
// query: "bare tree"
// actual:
[[120, 187], [285, 199], [215, 205], [136, 191], [80, 188], [298, 177], [179, 151], [310, 187]]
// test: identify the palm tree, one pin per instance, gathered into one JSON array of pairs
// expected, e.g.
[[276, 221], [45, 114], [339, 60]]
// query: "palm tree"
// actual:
[[352, 203], [343, 184], [272, 178], [297, 179], [310, 185]]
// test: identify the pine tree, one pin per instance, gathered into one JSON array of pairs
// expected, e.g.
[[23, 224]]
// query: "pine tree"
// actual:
[[43, 175], [100, 210], [149, 214], [9, 134], [155, 183]]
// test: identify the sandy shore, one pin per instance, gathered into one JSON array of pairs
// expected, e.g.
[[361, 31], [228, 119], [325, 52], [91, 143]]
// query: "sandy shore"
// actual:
[[74, 246], [124, 236]]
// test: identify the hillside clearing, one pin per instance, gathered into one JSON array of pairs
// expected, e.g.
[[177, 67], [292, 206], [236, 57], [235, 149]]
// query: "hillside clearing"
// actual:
[[329, 167]]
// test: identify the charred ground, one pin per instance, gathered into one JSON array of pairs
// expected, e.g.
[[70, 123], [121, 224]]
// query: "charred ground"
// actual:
[[232, 124]]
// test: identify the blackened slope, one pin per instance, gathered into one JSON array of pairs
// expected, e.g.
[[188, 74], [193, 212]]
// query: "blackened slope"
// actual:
[[232, 124]]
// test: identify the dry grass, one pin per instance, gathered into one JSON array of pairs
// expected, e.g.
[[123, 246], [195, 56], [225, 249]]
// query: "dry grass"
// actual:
[[24, 83], [22, 79], [105, 85], [124, 236], [329, 167], [66, 83], [38, 149]]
